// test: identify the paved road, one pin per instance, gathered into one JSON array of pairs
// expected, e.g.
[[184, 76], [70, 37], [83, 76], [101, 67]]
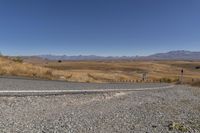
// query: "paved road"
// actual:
[[15, 86], [152, 111], [122, 112]]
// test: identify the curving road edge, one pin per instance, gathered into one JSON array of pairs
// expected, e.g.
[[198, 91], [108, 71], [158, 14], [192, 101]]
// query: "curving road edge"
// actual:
[[63, 92]]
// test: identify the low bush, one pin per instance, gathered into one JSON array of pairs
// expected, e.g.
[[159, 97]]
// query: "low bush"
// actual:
[[166, 80], [177, 126], [196, 83], [49, 73], [18, 59]]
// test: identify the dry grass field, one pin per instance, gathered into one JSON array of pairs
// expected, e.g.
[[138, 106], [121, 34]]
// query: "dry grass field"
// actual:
[[126, 71], [102, 71], [16, 67]]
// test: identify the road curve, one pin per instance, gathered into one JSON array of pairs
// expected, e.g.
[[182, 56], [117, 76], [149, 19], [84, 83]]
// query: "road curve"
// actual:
[[27, 87]]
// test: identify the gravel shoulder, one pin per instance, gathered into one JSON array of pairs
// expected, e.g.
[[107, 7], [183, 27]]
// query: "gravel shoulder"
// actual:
[[157, 111]]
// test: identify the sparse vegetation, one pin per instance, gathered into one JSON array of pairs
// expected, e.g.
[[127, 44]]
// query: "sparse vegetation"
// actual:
[[100, 71], [169, 80], [166, 80], [49, 74], [15, 67], [195, 83], [177, 126], [18, 59], [59, 61], [197, 67]]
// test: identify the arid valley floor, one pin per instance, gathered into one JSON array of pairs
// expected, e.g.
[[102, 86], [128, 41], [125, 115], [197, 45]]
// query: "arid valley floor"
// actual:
[[167, 110], [102, 71]]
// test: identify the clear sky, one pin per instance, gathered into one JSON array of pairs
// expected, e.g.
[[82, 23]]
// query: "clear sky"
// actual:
[[100, 27]]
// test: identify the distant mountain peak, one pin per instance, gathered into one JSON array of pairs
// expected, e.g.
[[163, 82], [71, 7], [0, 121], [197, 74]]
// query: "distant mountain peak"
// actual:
[[176, 55], [171, 55]]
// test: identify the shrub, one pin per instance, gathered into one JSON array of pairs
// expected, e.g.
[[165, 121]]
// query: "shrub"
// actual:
[[49, 73], [18, 59], [197, 67], [68, 77], [166, 80], [91, 76], [177, 126], [59, 61], [34, 74], [2, 71], [175, 80], [196, 83]]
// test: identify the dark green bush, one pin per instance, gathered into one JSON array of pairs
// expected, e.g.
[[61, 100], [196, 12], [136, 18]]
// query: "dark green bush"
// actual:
[[166, 80], [18, 59]]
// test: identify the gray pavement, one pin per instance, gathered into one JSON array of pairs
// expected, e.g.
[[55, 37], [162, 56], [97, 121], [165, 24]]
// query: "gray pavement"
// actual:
[[153, 111], [20, 86]]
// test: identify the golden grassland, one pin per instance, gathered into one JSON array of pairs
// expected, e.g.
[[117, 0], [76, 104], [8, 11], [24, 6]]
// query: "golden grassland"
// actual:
[[102, 71], [15, 67], [129, 70]]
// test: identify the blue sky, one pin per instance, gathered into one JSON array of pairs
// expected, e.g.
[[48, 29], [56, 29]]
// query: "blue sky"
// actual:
[[100, 27]]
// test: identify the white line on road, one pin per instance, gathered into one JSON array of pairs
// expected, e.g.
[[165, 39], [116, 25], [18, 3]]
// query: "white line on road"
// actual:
[[38, 92]]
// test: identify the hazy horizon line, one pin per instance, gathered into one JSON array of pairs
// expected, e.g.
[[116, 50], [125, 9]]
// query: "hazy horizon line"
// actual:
[[55, 54]]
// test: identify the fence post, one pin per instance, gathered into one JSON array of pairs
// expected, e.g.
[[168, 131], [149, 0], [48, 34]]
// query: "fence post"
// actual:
[[181, 77]]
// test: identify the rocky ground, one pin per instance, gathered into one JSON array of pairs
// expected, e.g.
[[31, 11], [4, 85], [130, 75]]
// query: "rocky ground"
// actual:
[[156, 111]]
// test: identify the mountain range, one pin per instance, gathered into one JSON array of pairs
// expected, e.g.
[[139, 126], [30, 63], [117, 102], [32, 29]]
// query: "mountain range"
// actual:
[[172, 55]]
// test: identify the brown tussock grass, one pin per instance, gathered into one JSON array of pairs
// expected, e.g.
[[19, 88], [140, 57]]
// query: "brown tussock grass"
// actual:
[[12, 68], [101, 71]]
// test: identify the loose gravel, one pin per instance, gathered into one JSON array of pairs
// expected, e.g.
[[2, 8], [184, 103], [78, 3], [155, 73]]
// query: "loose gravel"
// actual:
[[157, 111]]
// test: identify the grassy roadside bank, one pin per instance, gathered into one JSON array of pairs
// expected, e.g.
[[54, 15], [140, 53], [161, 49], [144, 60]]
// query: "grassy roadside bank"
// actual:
[[102, 71]]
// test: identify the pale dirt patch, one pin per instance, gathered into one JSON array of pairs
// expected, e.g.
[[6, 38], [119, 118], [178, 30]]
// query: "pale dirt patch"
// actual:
[[99, 97]]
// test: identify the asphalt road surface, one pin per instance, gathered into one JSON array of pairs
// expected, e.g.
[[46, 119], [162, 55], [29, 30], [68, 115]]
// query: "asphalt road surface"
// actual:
[[119, 108], [19, 86]]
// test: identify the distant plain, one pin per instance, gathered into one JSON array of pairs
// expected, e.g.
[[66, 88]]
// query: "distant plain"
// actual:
[[102, 71]]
